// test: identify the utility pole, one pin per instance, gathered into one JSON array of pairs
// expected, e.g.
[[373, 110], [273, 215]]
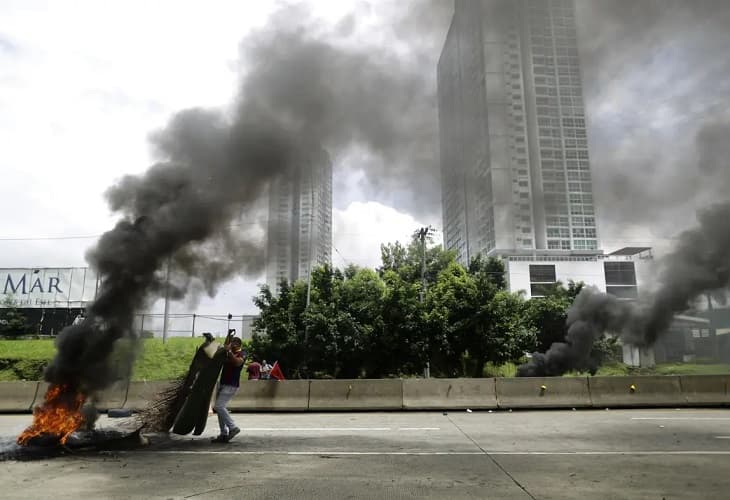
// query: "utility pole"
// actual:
[[422, 234], [166, 314]]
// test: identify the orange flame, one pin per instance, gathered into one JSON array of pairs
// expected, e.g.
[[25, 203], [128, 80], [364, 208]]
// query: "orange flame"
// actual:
[[59, 415]]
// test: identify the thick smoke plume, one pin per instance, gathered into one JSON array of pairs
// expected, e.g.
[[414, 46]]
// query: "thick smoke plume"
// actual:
[[213, 166], [699, 264], [301, 91]]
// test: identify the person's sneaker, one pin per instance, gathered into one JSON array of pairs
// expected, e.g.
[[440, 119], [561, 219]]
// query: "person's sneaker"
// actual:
[[221, 438], [233, 432]]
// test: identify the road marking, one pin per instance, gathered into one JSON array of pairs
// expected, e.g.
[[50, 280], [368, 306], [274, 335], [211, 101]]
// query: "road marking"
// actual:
[[680, 418], [722, 437], [425, 453], [337, 429], [317, 429]]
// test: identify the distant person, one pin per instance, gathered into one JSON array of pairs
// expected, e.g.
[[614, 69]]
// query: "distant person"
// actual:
[[254, 369], [79, 318], [227, 388], [266, 370]]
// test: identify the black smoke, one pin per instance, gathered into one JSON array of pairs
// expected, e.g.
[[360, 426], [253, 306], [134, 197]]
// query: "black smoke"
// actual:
[[655, 79], [303, 88], [175, 212], [698, 264]]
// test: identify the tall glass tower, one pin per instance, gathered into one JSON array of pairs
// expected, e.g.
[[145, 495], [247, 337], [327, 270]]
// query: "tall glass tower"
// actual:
[[300, 220], [514, 152]]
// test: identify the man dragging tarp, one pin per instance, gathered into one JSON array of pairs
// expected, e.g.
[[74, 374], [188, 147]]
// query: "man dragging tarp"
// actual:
[[227, 388]]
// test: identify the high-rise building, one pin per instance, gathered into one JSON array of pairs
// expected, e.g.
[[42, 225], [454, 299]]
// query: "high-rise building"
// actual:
[[300, 220], [514, 153]]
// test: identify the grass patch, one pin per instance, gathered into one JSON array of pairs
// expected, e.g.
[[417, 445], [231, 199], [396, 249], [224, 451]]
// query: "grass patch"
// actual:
[[622, 370], [505, 370], [25, 359], [27, 349], [692, 369], [158, 361]]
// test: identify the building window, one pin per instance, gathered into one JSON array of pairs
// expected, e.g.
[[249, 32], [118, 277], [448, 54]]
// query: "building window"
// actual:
[[542, 279], [621, 279]]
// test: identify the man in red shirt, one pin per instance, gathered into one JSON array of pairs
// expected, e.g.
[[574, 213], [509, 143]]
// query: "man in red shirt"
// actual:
[[227, 388], [254, 369]]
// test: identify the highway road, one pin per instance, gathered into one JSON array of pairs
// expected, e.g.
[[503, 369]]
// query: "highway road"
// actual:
[[647, 454]]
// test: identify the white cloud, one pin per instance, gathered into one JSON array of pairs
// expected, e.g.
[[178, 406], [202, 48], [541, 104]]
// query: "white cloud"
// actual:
[[362, 227]]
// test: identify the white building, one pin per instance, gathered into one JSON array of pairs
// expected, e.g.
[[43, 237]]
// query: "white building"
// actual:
[[613, 273], [514, 152]]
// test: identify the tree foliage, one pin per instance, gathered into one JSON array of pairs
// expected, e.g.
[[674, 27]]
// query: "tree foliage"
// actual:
[[12, 320], [547, 315], [366, 323]]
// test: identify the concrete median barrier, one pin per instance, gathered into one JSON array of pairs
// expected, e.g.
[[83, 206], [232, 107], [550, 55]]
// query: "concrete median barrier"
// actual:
[[112, 397], [40, 394], [451, 393], [17, 396], [356, 395], [543, 392], [271, 395], [706, 390], [640, 391], [141, 394]]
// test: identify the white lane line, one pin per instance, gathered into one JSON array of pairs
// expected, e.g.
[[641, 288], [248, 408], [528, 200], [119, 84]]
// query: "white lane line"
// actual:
[[337, 429], [722, 437], [680, 418], [317, 429], [425, 453]]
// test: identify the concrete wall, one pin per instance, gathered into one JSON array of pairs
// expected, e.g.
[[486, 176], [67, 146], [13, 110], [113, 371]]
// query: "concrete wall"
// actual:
[[384, 394], [458, 393], [706, 389], [419, 394], [636, 391], [140, 394], [543, 392], [271, 395], [113, 397], [17, 396]]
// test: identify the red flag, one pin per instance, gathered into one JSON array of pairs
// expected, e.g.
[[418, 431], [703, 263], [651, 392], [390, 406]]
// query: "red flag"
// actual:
[[276, 372]]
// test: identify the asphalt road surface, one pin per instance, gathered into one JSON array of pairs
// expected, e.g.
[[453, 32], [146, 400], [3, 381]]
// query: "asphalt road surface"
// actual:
[[646, 454]]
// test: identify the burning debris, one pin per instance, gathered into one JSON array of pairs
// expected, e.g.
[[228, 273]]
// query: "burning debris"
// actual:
[[58, 416], [698, 264]]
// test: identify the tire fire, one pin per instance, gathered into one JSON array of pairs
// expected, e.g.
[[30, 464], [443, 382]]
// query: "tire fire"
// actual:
[[59, 415]]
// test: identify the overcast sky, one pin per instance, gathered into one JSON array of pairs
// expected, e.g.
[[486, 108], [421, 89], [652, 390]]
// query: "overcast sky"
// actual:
[[84, 83]]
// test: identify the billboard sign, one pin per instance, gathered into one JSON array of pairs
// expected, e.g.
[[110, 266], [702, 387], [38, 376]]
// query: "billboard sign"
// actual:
[[47, 287]]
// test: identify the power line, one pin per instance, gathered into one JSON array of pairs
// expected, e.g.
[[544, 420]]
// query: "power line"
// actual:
[[39, 238], [340, 254], [91, 236]]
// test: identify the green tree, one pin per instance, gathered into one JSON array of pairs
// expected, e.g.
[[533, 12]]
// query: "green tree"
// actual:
[[407, 261], [279, 330], [449, 308], [498, 330], [402, 347], [359, 322], [472, 319], [12, 321], [548, 315]]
